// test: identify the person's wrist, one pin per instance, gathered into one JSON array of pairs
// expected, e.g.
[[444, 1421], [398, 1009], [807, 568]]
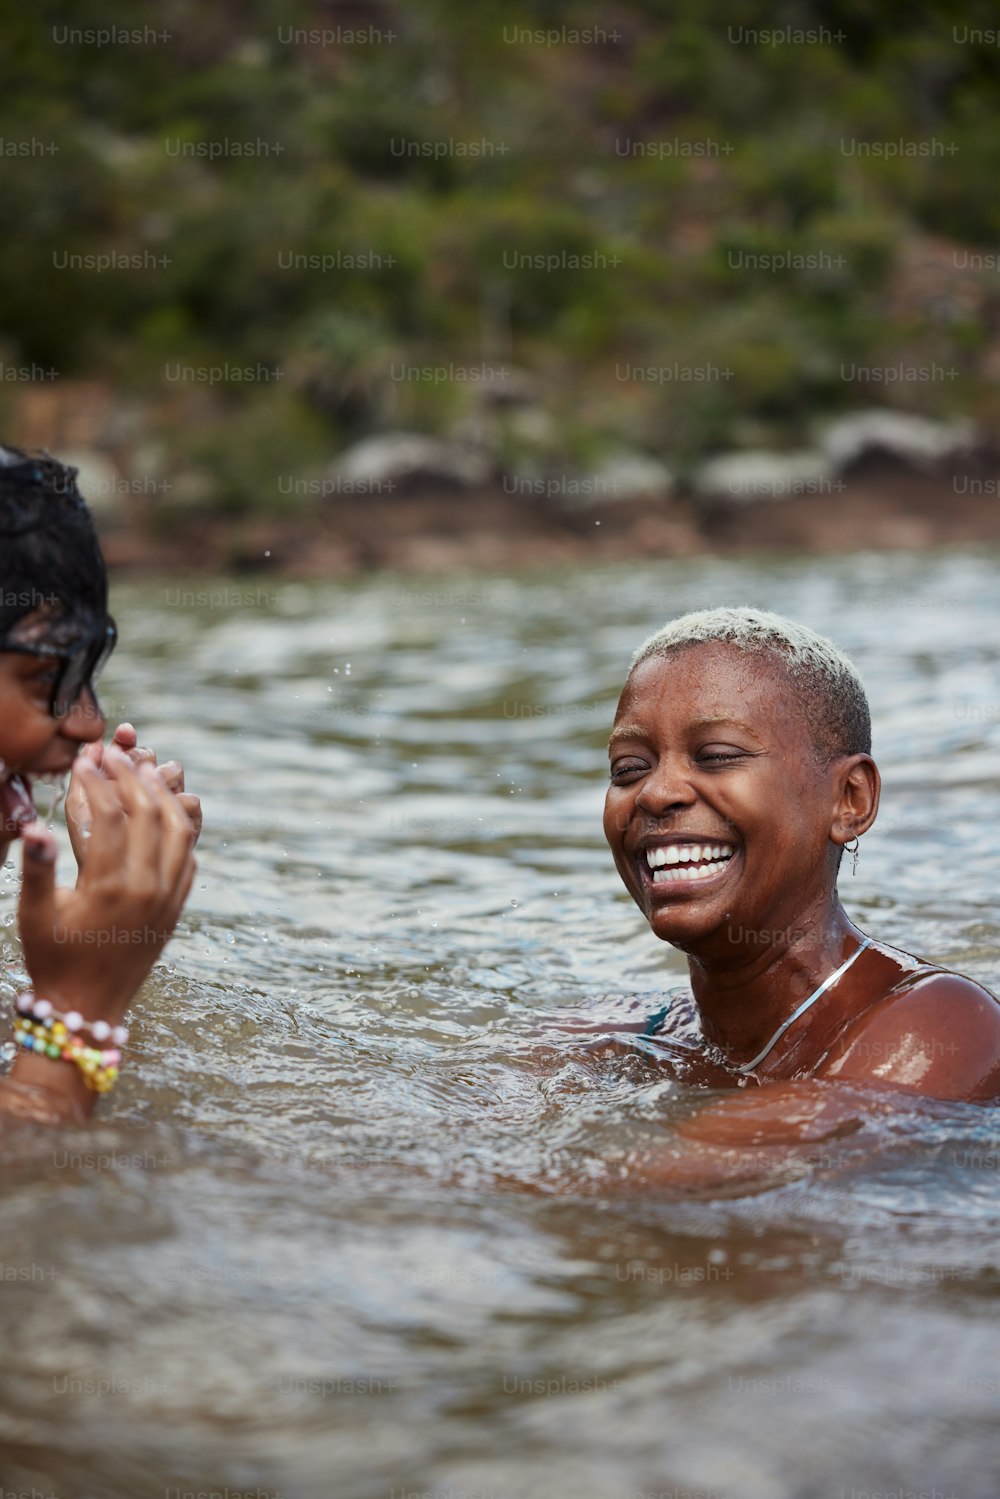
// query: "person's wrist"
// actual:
[[92, 1002], [46, 1034]]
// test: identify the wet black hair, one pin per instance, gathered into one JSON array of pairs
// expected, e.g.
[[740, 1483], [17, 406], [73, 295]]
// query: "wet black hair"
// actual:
[[50, 557]]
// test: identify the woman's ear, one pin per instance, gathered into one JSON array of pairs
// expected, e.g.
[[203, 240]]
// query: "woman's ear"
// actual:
[[859, 786]]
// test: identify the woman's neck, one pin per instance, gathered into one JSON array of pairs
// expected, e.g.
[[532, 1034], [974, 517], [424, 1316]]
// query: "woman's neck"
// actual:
[[746, 993]]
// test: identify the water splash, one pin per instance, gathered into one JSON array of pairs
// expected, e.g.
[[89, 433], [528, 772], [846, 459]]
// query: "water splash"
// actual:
[[59, 789]]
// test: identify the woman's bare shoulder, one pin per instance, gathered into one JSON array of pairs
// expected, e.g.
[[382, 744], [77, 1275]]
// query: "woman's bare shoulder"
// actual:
[[935, 1031]]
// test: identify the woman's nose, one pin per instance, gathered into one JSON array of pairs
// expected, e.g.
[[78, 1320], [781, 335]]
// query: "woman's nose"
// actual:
[[665, 788]]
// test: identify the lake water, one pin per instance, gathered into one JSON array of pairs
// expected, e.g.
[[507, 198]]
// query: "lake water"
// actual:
[[338, 1234]]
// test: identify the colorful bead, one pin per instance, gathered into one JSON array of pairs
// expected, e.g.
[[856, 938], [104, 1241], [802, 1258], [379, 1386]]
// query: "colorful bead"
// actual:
[[41, 1029]]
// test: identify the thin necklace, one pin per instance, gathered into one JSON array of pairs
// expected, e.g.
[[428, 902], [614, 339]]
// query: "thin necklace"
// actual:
[[803, 1007]]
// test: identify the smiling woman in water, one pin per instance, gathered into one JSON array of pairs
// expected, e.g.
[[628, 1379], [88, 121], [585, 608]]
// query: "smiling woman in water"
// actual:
[[740, 770]]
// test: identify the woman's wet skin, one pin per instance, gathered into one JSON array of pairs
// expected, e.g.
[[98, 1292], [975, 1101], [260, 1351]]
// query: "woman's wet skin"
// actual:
[[710, 748]]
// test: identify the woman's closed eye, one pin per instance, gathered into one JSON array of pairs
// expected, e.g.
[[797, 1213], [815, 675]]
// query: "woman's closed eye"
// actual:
[[622, 768], [719, 753]]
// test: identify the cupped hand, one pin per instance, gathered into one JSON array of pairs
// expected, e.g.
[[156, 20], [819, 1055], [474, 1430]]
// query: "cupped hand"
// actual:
[[90, 948], [125, 739]]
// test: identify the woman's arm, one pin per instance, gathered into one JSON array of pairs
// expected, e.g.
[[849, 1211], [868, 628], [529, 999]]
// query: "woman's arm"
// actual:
[[772, 1135]]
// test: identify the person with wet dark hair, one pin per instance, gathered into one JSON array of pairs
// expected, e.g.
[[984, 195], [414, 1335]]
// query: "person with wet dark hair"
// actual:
[[87, 949], [52, 560]]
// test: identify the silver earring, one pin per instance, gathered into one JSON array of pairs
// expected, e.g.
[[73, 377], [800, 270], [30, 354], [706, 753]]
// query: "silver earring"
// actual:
[[854, 855]]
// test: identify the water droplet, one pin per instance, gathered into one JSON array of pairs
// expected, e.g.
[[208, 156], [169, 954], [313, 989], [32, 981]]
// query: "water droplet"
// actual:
[[513, 902]]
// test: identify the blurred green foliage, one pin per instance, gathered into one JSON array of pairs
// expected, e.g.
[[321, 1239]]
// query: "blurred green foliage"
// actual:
[[572, 210]]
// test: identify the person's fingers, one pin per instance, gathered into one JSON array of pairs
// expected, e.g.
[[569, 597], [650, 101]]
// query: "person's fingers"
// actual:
[[176, 857], [177, 833], [125, 736], [171, 773], [192, 806], [90, 754], [184, 887], [106, 847], [146, 838], [154, 841], [75, 796], [36, 907], [141, 811]]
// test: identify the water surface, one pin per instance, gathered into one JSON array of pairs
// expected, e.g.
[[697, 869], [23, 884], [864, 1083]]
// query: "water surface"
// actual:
[[338, 1234]]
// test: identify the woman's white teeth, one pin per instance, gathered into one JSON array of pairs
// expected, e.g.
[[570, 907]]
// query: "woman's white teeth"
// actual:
[[702, 872], [686, 853], [666, 863]]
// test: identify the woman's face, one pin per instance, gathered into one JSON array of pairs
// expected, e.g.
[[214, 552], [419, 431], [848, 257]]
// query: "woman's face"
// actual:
[[32, 742], [713, 768]]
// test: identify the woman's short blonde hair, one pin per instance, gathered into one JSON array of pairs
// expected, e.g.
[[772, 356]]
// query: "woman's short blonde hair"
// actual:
[[826, 683]]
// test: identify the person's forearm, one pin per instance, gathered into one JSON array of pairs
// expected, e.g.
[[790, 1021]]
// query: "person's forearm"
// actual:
[[771, 1135]]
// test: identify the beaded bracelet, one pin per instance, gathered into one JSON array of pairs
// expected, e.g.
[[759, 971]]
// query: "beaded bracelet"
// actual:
[[42, 1029]]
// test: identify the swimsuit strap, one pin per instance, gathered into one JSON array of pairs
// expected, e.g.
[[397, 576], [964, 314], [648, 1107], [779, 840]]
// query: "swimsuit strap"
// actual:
[[655, 1022]]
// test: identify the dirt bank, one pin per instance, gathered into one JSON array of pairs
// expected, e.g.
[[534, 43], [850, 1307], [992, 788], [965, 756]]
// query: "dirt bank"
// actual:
[[422, 533]]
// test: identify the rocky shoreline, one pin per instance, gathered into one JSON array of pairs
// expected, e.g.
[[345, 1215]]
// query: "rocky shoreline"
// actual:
[[875, 478], [878, 510]]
